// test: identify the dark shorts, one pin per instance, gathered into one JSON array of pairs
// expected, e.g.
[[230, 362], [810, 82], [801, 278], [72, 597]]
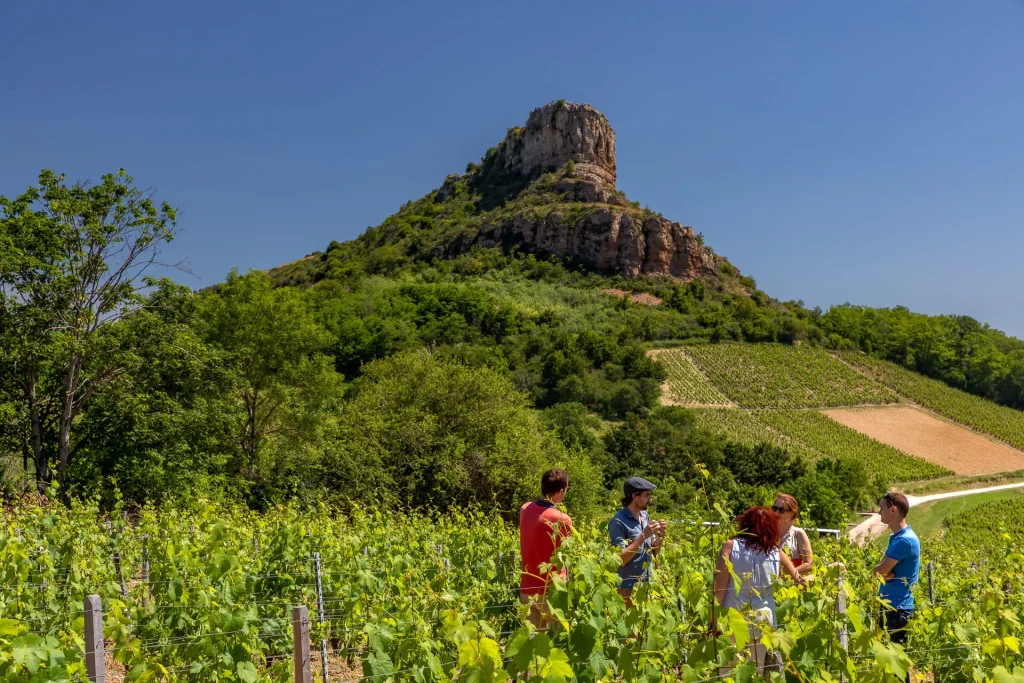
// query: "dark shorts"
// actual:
[[895, 622]]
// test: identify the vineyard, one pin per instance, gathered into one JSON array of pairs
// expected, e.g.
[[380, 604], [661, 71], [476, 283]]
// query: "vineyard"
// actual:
[[813, 435], [686, 385], [774, 376], [744, 426], [776, 386], [206, 596], [985, 530], [828, 436], [987, 417]]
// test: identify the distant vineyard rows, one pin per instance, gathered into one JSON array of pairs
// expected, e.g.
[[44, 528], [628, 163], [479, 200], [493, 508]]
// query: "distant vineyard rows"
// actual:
[[687, 384], [775, 376], [813, 435]]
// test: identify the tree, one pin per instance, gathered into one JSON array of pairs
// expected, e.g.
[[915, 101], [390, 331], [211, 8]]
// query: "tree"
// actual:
[[667, 444], [428, 431], [74, 262], [575, 427], [273, 348], [168, 429]]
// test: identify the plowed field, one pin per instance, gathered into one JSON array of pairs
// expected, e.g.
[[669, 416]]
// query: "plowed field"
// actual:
[[916, 432]]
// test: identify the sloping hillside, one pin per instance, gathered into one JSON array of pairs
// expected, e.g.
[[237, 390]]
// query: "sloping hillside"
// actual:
[[823, 405]]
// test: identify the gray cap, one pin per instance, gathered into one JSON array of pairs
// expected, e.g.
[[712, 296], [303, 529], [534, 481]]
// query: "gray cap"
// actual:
[[636, 485]]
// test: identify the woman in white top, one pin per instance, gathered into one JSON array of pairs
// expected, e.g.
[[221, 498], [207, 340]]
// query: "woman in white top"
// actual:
[[757, 562], [794, 540]]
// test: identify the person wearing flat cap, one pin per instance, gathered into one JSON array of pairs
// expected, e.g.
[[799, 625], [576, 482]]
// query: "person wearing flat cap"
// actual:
[[640, 539]]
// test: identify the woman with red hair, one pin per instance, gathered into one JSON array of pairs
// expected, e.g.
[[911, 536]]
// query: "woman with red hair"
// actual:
[[756, 561]]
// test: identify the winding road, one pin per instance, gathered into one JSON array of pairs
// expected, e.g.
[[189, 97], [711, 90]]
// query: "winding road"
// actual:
[[872, 525]]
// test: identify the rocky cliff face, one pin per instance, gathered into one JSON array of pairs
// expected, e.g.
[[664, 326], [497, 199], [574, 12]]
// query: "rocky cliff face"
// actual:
[[608, 233], [610, 240], [560, 132]]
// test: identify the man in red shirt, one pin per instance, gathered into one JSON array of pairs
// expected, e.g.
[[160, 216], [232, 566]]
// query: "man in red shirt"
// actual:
[[542, 526]]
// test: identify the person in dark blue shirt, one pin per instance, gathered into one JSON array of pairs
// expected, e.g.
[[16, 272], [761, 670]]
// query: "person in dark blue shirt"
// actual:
[[899, 568], [639, 539]]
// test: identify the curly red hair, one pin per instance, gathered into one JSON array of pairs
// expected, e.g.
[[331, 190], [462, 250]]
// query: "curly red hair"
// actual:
[[759, 528]]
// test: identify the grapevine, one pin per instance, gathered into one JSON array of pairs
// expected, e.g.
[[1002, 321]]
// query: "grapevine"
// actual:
[[775, 376], [813, 435], [686, 384], [422, 599]]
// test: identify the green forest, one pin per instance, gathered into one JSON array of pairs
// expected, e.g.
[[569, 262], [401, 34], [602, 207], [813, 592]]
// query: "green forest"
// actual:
[[397, 369]]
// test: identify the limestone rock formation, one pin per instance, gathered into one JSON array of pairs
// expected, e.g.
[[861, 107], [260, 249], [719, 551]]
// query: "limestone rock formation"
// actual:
[[559, 132], [610, 240], [547, 188], [608, 233], [449, 187]]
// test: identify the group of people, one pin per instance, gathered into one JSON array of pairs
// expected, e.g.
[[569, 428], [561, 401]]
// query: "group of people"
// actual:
[[767, 544]]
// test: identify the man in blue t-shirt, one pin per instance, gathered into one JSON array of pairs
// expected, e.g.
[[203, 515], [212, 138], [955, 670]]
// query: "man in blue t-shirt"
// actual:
[[900, 566], [637, 538]]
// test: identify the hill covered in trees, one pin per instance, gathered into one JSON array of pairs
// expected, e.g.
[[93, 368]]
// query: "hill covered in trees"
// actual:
[[491, 329]]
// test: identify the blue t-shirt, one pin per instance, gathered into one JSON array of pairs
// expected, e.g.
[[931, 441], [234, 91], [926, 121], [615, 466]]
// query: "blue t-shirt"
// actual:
[[623, 529], [905, 548]]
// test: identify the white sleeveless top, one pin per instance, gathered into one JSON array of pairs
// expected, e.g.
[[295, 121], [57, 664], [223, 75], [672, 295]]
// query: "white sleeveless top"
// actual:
[[757, 571], [795, 542]]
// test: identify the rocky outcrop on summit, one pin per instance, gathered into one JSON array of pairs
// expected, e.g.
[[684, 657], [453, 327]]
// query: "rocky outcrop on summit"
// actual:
[[608, 233], [560, 132], [547, 188]]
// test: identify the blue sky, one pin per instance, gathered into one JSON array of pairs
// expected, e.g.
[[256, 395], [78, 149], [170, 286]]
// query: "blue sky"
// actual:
[[866, 152]]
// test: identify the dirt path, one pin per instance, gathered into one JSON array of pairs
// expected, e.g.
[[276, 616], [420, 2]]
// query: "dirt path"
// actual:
[[872, 526]]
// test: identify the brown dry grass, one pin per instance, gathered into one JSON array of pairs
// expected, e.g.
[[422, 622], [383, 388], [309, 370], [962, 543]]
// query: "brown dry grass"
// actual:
[[642, 298], [919, 433], [338, 668], [115, 669]]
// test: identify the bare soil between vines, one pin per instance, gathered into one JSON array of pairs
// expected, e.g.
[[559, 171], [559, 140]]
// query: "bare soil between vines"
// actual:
[[914, 431]]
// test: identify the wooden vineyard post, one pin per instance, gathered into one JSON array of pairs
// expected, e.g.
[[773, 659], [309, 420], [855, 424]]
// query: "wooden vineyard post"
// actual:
[[95, 664], [120, 576], [145, 569], [300, 633], [931, 585], [844, 634], [320, 613]]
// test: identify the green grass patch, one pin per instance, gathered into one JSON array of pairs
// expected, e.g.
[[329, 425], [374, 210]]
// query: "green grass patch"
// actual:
[[959, 483]]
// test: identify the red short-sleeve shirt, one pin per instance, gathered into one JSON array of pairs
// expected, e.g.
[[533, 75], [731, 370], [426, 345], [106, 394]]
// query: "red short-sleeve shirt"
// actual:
[[542, 526]]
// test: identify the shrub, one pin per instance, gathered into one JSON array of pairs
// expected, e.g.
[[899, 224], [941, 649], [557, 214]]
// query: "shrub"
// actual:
[[427, 432]]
